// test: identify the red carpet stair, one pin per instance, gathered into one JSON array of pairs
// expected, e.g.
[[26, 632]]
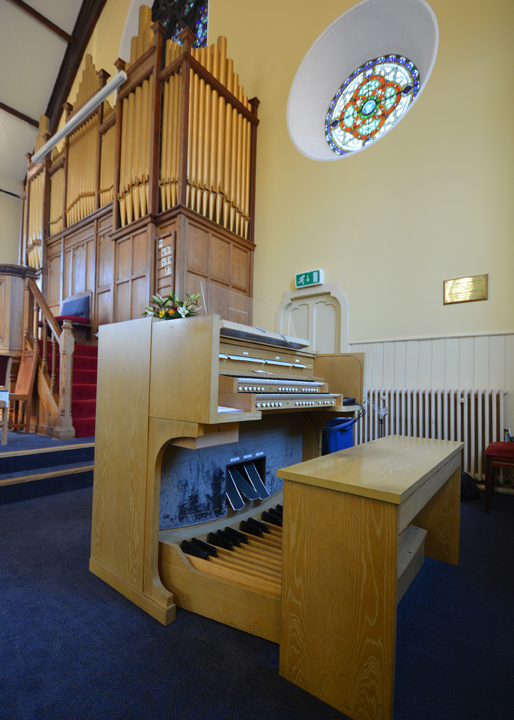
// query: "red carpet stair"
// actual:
[[83, 394]]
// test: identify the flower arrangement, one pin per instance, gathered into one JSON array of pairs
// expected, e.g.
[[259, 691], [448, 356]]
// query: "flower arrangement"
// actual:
[[170, 307]]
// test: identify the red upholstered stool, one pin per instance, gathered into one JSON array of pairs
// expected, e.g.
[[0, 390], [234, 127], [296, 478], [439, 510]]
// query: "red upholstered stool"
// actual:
[[497, 454]]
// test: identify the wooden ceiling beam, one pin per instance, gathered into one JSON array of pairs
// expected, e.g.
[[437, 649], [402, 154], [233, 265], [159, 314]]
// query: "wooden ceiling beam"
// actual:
[[43, 20], [19, 115], [87, 18]]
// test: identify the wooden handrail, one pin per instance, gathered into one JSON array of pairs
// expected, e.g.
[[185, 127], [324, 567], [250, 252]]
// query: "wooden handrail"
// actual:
[[45, 310], [39, 320]]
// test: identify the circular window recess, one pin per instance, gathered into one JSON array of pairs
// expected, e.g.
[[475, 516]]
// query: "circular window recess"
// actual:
[[361, 76]]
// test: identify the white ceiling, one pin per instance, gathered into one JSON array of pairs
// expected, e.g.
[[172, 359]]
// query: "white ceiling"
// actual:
[[30, 58]]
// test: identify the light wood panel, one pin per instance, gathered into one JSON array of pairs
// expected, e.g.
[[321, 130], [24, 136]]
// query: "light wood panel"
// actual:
[[121, 449], [189, 347], [390, 469], [346, 562], [256, 611], [411, 554], [335, 367], [338, 623], [11, 310], [441, 519], [139, 411]]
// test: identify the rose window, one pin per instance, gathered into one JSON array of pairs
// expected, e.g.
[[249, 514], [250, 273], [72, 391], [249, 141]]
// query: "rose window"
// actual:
[[369, 102]]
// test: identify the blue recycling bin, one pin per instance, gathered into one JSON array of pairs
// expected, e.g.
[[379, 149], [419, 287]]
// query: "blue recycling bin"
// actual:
[[338, 435]]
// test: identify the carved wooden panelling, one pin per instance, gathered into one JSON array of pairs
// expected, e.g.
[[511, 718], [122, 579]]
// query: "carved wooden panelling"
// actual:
[[54, 282], [197, 249], [123, 302], [216, 258], [123, 259], [79, 260], [140, 253], [105, 276], [240, 268], [124, 270], [103, 313], [133, 273], [219, 256], [139, 297], [105, 261], [11, 311]]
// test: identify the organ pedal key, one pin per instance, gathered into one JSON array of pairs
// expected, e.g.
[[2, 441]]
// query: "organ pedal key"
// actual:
[[251, 554]]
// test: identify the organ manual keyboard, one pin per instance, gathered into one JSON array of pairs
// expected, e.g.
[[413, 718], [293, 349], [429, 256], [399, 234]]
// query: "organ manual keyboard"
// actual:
[[187, 411]]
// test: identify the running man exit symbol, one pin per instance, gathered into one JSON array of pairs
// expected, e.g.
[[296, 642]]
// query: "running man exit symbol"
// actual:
[[306, 279]]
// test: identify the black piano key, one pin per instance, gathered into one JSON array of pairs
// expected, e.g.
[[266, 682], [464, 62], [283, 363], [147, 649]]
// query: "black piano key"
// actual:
[[279, 508], [275, 513], [251, 529], [232, 532], [257, 523], [190, 549], [205, 546], [215, 539], [226, 536], [272, 519]]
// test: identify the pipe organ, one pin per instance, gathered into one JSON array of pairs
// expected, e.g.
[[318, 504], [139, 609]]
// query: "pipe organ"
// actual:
[[35, 201], [168, 165]]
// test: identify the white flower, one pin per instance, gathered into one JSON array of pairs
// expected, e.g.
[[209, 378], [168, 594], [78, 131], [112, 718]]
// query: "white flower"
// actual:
[[182, 310]]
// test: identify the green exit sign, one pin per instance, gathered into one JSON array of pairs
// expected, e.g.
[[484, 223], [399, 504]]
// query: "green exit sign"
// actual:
[[306, 279]]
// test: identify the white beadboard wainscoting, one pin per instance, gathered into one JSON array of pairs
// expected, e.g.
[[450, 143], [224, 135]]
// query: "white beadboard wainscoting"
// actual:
[[468, 361], [481, 362]]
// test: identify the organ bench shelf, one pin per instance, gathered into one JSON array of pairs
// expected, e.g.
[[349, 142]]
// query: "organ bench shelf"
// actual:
[[359, 510]]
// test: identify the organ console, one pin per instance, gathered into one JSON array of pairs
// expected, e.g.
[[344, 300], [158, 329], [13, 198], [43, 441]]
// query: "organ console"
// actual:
[[197, 421], [194, 418]]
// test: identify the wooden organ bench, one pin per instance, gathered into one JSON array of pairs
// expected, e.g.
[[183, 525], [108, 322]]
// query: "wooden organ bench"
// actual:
[[188, 409]]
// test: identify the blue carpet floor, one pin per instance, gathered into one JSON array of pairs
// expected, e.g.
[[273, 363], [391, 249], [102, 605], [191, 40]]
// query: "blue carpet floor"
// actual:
[[21, 442], [71, 648]]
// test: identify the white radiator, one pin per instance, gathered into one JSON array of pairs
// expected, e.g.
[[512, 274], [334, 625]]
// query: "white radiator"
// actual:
[[475, 417]]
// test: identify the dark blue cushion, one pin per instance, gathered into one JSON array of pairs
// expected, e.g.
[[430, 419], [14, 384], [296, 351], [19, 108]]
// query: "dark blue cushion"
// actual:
[[78, 307]]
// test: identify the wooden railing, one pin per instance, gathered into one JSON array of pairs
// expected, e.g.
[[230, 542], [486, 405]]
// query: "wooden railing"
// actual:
[[41, 329]]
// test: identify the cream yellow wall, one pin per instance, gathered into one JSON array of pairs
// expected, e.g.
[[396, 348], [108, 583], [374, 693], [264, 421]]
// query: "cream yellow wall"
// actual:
[[429, 202], [10, 229], [105, 41]]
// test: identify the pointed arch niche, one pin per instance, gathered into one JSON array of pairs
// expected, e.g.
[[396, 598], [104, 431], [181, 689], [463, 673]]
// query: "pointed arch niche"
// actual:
[[319, 314]]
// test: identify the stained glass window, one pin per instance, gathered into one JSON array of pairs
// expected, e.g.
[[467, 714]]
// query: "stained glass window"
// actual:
[[176, 15], [369, 102]]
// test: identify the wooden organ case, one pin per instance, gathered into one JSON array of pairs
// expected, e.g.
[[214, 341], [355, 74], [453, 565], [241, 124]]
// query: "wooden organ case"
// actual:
[[154, 193], [179, 402]]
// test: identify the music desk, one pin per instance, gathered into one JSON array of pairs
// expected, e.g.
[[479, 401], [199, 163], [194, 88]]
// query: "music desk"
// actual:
[[349, 517]]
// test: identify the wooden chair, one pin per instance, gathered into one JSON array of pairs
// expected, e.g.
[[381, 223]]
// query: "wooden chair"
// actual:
[[24, 388], [5, 372], [497, 454]]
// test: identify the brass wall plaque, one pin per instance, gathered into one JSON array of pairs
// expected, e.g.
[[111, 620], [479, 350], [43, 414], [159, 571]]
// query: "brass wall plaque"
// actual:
[[466, 289]]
